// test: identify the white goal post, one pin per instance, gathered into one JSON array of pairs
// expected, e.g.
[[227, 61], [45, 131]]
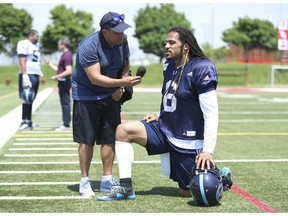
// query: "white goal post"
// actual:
[[272, 73]]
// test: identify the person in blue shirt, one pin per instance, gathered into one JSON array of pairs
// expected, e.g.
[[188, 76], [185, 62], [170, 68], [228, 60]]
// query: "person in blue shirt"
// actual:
[[96, 91], [185, 130]]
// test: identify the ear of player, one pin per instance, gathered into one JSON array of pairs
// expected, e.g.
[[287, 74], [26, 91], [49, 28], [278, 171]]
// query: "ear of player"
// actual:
[[207, 186]]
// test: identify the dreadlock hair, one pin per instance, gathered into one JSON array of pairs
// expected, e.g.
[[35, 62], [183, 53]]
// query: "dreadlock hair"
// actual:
[[186, 36]]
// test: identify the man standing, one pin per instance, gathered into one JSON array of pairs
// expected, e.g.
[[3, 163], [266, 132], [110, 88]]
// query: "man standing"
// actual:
[[96, 92], [64, 71], [185, 129], [30, 70]]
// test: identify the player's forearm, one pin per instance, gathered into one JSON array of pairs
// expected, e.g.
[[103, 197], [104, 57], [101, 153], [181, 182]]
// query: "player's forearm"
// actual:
[[209, 107]]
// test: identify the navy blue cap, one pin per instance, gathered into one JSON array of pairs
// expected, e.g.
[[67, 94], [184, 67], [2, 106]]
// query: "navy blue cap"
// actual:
[[114, 21]]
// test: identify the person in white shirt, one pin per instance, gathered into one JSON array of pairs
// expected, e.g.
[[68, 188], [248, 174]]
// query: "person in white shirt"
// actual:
[[29, 74]]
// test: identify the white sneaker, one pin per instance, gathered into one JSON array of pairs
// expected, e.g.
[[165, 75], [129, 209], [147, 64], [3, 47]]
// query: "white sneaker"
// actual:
[[25, 126], [62, 128], [85, 188], [106, 186]]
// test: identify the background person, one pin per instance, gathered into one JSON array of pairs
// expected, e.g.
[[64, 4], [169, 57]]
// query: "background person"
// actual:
[[64, 71], [186, 127], [28, 52], [96, 92]]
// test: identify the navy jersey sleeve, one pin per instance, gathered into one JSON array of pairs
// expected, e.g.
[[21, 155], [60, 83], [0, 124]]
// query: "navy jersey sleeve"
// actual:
[[206, 77]]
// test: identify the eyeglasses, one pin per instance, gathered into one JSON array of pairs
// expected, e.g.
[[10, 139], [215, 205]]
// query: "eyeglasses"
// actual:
[[115, 21]]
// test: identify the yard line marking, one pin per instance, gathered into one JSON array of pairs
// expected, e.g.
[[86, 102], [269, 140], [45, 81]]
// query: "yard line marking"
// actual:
[[219, 133], [42, 198], [45, 129], [9, 122], [142, 162], [43, 139], [36, 183], [252, 134], [254, 112], [8, 95], [221, 113], [252, 199], [252, 120], [43, 149], [251, 161], [40, 172], [43, 143], [40, 155], [44, 135], [70, 162]]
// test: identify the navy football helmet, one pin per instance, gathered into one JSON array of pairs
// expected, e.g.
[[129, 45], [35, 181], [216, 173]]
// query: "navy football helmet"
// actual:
[[206, 186], [28, 95]]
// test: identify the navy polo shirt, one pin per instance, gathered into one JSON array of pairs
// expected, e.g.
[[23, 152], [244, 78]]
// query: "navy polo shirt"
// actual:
[[92, 50]]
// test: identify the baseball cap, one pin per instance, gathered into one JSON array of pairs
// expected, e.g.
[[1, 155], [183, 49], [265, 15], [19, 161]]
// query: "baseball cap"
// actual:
[[114, 21]]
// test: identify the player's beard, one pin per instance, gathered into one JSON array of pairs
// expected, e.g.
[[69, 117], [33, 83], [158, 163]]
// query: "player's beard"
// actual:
[[180, 58]]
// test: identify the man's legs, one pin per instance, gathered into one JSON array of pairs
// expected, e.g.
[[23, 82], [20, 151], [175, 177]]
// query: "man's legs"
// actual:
[[107, 154], [26, 122], [85, 153], [85, 157], [65, 103], [127, 132]]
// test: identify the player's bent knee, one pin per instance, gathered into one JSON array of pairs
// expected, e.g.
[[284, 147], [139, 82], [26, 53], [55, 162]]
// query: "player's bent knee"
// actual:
[[122, 132]]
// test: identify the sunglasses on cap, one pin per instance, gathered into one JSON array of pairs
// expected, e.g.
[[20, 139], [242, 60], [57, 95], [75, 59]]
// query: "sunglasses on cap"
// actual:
[[115, 21]]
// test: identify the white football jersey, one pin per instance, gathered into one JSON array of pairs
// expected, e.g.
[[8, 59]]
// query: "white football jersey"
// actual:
[[32, 52]]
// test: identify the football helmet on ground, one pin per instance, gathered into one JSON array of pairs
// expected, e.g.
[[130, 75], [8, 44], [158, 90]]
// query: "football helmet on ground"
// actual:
[[28, 95], [206, 186]]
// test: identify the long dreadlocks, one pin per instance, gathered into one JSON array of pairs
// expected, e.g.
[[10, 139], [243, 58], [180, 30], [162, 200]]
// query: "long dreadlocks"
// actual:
[[186, 36]]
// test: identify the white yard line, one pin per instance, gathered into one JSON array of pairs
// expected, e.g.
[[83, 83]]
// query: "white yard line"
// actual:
[[42, 143], [143, 162], [9, 124], [42, 198], [253, 120], [40, 172], [40, 155], [42, 149], [36, 183], [43, 139]]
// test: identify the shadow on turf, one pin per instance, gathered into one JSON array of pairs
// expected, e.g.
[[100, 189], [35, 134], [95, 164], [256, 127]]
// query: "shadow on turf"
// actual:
[[172, 192], [162, 191], [75, 187]]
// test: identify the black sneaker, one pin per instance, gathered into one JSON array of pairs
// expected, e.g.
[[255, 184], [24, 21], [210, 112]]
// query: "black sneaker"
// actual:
[[226, 178], [118, 193]]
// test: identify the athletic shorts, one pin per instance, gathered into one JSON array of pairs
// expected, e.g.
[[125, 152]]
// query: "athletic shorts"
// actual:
[[95, 121], [181, 160]]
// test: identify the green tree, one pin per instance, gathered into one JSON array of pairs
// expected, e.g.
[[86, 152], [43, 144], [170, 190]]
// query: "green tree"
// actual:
[[218, 54], [152, 25], [14, 26], [69, 24], [251, 33]]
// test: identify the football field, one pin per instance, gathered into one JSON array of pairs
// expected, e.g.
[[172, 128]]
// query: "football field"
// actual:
[[39, 170]]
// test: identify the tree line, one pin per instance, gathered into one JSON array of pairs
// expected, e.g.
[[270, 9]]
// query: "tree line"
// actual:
[[151, 27]]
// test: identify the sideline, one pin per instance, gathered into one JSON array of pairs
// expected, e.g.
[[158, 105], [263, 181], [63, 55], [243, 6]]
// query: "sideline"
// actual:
[[9, 123]]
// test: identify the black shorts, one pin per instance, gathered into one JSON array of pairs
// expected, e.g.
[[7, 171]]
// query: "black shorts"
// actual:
[[95, 121]]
